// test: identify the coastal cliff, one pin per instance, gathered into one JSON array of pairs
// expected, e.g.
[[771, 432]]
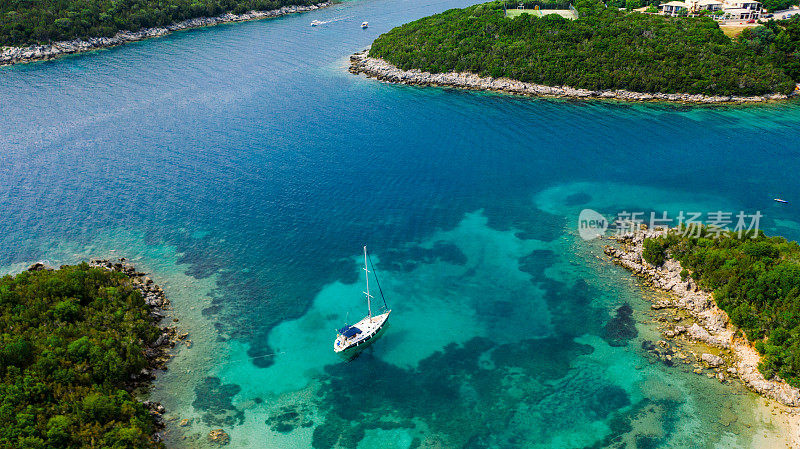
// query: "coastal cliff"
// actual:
[[16, 55], [712, 325], [362, 63]]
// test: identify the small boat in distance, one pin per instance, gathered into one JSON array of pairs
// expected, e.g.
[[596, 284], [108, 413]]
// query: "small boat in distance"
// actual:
[[352, 338], [781, 200], [316, 22], [364, 25]]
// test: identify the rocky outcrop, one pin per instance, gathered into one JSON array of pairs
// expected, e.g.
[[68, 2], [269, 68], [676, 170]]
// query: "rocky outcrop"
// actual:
[[219, 437], [40, 266], [712, 360], [385, 71], [152, 294], [15, 55], [712, 324]]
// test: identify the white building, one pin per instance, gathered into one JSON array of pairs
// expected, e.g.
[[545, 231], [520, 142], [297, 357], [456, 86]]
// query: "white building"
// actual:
[[731, 9], [673, 8], [705, 5], [741, 14], [746, 9]]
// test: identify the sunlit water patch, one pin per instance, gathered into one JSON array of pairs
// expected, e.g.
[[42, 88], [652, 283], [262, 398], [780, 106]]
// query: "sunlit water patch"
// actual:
[[613, 198], [566, 378]]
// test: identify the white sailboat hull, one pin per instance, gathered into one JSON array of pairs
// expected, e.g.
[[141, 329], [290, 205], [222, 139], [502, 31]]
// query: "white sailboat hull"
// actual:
[[369, 327]]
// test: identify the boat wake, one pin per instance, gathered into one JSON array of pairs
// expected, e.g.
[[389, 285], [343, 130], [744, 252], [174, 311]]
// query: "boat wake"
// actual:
[[325, 22]]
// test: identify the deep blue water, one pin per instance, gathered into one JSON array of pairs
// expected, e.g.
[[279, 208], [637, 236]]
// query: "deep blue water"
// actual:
[[247, 158]]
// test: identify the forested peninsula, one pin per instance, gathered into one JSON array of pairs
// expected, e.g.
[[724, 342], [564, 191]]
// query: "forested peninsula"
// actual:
[[742, 291], [23, 22], [33, 31], [756, 281], [75, 343], [604, 49]]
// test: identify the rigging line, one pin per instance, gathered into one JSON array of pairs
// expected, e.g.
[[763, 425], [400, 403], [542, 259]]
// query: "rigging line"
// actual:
[[225, 362], [375, 273], [268, 355]]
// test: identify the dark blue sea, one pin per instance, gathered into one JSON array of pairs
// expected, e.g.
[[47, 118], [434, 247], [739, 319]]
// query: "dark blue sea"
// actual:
[[245, 168]]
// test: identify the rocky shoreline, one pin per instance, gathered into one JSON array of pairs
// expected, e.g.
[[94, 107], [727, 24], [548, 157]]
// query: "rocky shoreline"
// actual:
[[158, 353], [384, 71], [712, 325], [17, 55]]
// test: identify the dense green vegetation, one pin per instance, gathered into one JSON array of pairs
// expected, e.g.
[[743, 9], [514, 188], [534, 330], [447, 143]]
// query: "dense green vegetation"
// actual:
[[779, 41], [778, 5], [633, 4], [604, 49], [27, 22], [654, 252], [70, 340], [757, 282]]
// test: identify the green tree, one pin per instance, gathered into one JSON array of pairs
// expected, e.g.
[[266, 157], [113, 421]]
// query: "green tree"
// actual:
[[654, 252]]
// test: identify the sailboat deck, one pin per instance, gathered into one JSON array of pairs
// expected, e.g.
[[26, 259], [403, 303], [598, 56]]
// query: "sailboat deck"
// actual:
[[369, 326]]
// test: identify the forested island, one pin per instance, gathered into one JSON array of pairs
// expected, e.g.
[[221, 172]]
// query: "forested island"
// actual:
[[604, 49], [75, 342], [24, 22], [41, 30]]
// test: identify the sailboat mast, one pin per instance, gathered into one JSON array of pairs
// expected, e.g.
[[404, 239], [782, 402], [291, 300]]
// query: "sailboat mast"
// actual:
[[366, 276]]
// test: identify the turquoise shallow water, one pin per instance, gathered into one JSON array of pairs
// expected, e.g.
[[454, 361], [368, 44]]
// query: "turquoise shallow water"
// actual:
[[245, 168]]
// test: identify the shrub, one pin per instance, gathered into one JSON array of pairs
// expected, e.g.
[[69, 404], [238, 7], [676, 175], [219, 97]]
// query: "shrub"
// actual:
[[654, 252], [58, 433], [67, 310]]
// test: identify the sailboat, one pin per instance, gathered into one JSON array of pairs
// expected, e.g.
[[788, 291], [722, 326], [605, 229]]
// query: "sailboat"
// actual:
[[354, 337]]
